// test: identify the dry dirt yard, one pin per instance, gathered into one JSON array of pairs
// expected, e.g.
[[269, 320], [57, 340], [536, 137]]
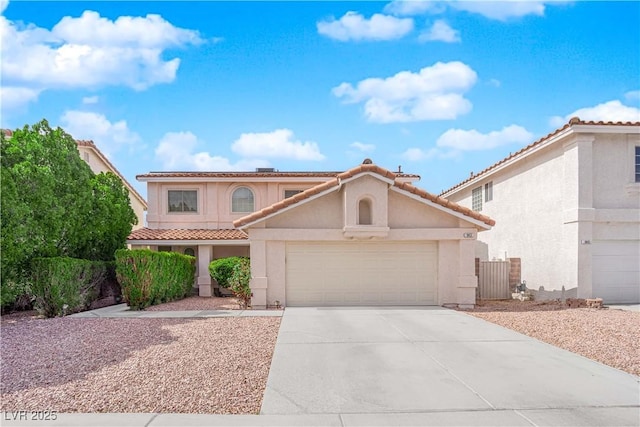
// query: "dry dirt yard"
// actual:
[[610, 336], [211, 365]]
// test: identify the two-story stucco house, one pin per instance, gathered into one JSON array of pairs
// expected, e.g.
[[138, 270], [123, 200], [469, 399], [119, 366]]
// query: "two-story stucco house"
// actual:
[[568, 206], [98, 163], [364, 236]]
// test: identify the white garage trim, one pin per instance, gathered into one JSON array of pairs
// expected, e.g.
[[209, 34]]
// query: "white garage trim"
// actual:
[[361, 273]]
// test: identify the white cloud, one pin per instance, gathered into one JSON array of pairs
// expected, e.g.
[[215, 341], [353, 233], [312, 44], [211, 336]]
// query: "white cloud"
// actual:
[[494, 82], [418, 154], [90, 100], [472, 140], [440, 31], [413, 7], [276, 144], [364, 148], [612, 111], [3, 5], [15, 98], [176, 152], [108, 136], [91, 51], [502, 10], [433, 93], [632, 95], [353, 26]]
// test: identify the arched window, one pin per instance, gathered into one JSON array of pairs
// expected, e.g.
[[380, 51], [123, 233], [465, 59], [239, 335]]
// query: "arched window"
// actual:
[[242, 200], [364, 212], [190, 252]]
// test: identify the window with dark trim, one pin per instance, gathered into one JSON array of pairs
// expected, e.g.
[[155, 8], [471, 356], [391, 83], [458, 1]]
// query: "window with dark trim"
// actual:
[[164, 248], [488, 191], [291, 193], [476, 199], [183, 201], [637, 164]]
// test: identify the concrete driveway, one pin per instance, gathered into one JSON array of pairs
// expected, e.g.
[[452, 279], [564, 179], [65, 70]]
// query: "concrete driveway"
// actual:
[[434, 365]]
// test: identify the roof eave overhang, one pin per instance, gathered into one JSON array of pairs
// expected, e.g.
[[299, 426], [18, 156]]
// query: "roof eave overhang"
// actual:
[[190, 242], [482, 176]]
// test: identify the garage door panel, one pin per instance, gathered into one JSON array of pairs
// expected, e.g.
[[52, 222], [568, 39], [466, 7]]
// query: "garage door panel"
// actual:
[[357, 273], [616, 270]]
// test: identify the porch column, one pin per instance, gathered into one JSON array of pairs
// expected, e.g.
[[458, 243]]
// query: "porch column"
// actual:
[[258, 251], [467, 280], [204, 279]]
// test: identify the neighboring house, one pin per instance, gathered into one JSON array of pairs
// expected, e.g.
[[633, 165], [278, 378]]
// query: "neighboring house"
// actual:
[[366, 236], [568, 206], [98, 162]]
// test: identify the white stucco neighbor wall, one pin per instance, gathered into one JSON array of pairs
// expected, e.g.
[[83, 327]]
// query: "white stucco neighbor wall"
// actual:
[[561, 207]]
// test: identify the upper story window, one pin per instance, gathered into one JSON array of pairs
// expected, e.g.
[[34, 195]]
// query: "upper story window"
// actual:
[[488, 191], [291, 193], [242, 200], [637, 164], [183, 201], [476, 199]]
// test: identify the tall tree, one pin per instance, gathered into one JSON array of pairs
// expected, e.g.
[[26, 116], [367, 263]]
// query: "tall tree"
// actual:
[[112, 218], [53, 205]]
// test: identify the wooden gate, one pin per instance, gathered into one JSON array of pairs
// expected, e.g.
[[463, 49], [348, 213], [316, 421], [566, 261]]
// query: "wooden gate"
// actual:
[[493, 280]]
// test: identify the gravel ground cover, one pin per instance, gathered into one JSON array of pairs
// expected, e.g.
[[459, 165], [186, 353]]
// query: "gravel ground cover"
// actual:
[[610, 336], [136, 365]]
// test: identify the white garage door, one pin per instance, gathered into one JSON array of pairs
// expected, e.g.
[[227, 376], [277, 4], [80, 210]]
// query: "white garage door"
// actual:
[[359, 273], [616, 271]]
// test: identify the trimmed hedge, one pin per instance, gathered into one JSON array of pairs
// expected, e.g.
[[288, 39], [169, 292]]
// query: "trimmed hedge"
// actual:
[[63, 285], [222, 269], [149, 277]]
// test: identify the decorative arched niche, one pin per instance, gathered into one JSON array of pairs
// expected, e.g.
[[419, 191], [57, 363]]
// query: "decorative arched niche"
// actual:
[[365, 211]]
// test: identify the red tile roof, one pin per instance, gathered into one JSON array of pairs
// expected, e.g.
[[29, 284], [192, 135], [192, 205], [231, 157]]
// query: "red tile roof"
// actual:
[[371, 168], [571, 123], [187, 234], [276, 174]]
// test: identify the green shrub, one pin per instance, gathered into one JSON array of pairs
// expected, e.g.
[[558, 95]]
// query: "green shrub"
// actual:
[[149, 277], [15, 296], [222, 269], [240, 279], [64, 285]]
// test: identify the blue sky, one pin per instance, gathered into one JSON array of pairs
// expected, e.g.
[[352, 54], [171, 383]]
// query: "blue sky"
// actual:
[[442, 88]]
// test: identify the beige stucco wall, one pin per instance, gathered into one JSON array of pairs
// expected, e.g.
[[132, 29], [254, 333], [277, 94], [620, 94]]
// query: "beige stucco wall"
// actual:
[[324, 219], [214, 202]]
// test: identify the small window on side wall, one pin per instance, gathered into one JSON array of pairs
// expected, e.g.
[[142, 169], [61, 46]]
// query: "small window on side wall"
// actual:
[[488, 191], [164, 248], [476, 199], [183, 201], [364, 212], [637, 164], [242, 200], [291, 193]]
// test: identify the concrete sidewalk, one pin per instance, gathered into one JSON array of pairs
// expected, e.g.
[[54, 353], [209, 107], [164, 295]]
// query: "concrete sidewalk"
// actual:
[[591, 417], [123, 311]]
